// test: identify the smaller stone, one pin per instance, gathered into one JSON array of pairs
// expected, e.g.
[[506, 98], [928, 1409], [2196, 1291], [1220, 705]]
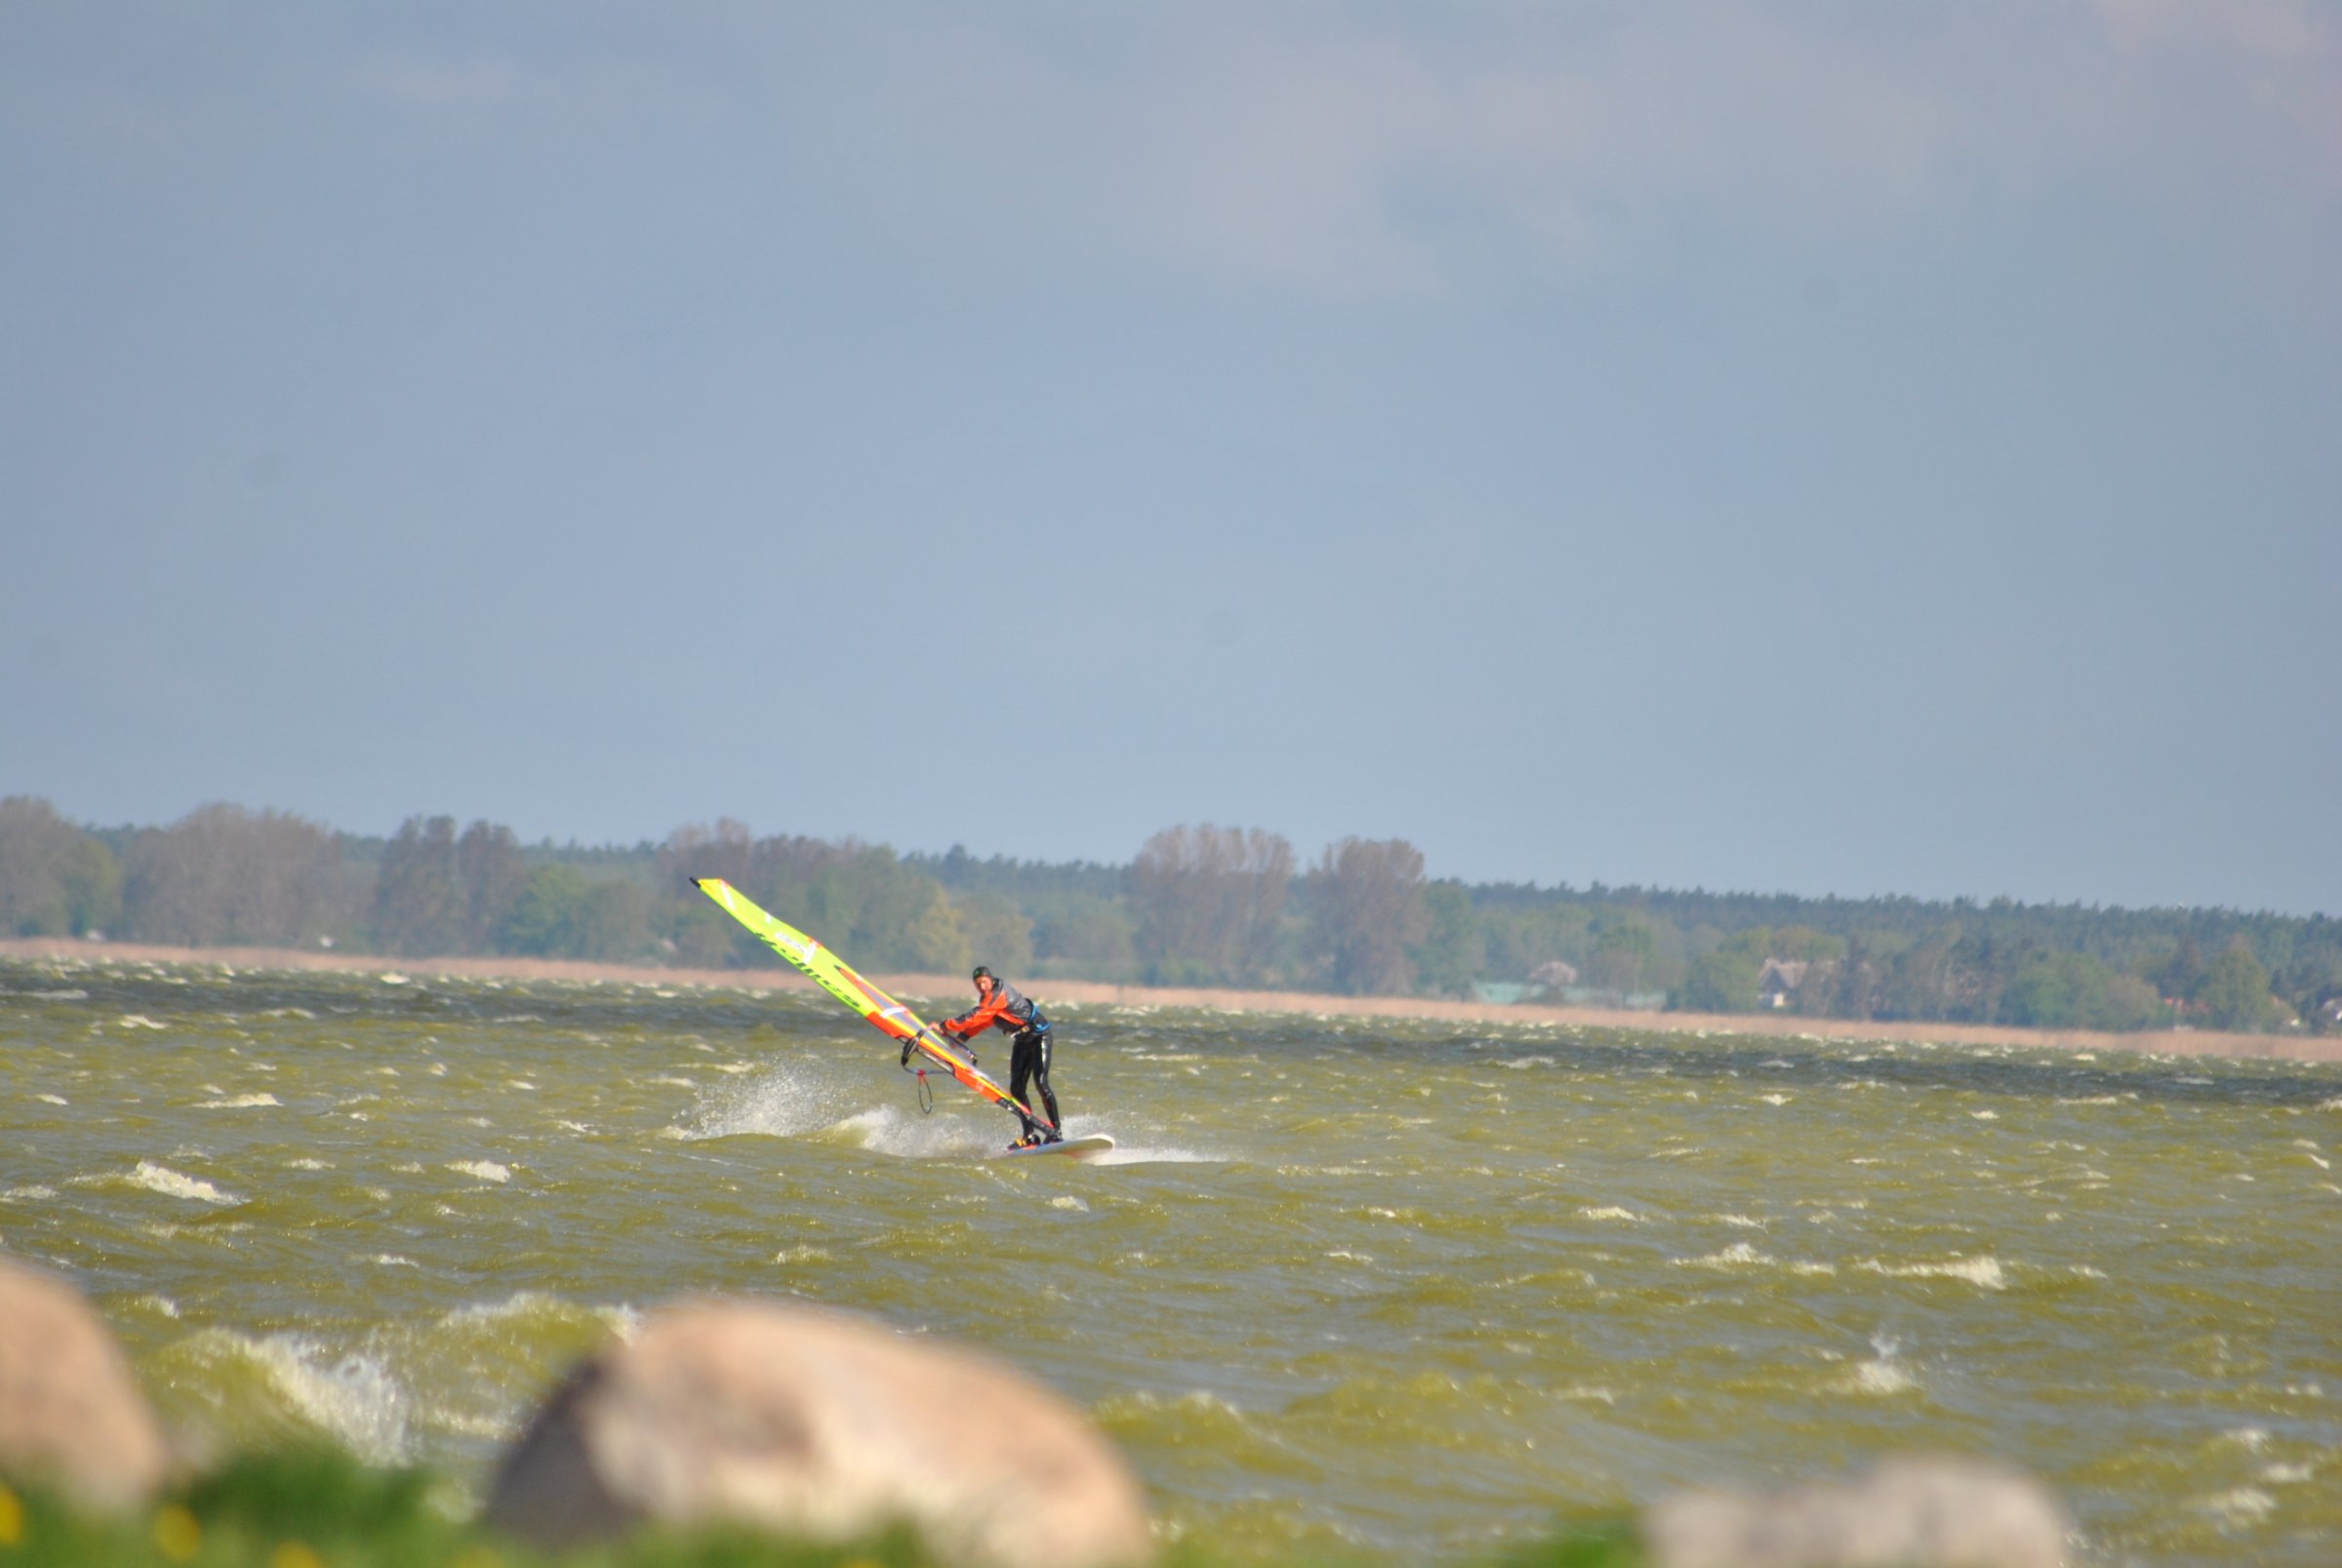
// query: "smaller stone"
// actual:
[[71, 1413], [1913, 1511]]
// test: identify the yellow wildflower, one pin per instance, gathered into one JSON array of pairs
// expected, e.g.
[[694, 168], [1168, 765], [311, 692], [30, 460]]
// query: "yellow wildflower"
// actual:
[[176, 1534]]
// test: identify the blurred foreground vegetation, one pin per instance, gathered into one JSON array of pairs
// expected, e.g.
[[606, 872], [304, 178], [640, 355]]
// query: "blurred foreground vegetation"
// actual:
[[1197, 905], [322, 1508]]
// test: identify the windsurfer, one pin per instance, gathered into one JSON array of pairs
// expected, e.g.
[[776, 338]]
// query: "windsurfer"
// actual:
[[1001, 1006]]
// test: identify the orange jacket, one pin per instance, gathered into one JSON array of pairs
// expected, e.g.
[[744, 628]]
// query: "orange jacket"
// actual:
[[1006, 1008]]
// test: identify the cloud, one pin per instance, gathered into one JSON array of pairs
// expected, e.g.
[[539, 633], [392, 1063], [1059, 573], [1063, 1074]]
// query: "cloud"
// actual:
[[1328, 152], [1346, 152]]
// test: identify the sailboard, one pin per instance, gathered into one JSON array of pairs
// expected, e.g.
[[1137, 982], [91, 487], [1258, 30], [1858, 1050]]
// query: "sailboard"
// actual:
[[1088, 1147], [919, 1038]]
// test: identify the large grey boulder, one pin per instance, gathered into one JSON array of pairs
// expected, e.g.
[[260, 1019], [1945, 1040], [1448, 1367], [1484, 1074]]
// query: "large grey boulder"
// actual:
[[1913, 1511], [825, 1427], [71, 1413]]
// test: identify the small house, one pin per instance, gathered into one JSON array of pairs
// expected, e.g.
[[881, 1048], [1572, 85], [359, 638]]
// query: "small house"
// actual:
[[1779, 980]]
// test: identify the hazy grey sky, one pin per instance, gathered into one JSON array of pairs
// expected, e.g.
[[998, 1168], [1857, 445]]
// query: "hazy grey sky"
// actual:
[[1822, 447]]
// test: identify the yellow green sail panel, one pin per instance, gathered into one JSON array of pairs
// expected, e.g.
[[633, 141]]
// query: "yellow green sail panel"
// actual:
[[834, 976]]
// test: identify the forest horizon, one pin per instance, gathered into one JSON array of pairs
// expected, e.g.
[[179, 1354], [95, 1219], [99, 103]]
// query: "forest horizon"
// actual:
[[1195, 904]]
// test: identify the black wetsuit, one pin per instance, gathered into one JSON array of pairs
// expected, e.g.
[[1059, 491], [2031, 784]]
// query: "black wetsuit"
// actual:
[[1028, 1060]]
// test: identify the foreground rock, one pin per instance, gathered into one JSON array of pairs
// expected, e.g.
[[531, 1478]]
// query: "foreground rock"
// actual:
[[820, 1426], [1910, 1513], [71, 1413]]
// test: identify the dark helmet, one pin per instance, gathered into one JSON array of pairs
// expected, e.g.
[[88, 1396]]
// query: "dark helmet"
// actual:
[[982, 973]]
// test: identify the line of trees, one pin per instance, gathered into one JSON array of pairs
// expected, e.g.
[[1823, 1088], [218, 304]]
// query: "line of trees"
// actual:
[[1208, 901], [1197, 905]]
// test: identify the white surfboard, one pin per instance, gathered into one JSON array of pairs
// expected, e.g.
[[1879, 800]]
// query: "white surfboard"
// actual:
[[1088, 1147]]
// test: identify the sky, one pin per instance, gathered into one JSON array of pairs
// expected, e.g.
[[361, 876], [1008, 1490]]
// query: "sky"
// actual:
[[1811, 447]]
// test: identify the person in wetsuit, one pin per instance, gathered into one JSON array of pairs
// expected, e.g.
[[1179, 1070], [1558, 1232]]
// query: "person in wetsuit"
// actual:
[[1003, 1007]]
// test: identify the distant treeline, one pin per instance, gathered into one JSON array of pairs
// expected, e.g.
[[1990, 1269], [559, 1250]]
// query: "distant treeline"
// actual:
[[1197, 905]]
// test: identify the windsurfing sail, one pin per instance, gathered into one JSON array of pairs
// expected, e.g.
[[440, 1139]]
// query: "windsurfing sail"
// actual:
[[889, 1017]]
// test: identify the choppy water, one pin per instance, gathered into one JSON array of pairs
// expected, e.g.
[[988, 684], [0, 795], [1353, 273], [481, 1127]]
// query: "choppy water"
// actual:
[[1411, 1287]]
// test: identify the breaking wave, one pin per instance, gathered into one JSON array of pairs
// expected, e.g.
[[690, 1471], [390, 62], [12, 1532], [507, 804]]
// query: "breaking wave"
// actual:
[[172, 1183], [1982, 1272]]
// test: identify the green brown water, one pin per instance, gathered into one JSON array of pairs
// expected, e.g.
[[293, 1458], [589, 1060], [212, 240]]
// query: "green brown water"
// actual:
[[1407, 1287]]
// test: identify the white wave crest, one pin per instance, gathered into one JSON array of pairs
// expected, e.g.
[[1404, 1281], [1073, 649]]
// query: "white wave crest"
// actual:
[[521, 1303], [1983, 1272], [1739, 1254], [529, 1307], [1883, 1376], [485, 1170], [2241, 1506], [173, 1185], [906, 1135], [355, 1398], [787, 1101]]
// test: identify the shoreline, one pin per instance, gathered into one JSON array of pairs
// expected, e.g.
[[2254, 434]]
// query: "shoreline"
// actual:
[[1778, 1026]]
